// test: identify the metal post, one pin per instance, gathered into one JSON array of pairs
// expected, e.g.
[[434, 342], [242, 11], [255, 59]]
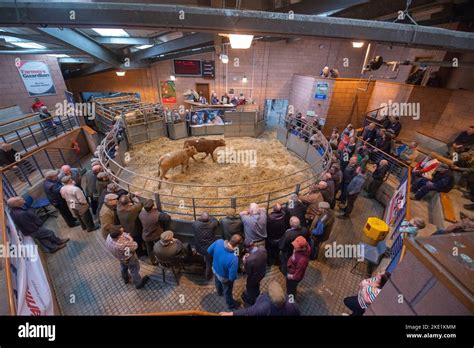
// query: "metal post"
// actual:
[[268, 201], [37, 165], [26, 176], [158, 201], [62, 156], [49, 159], [33, 136], [297, 188], [62, 125], [233, 202], [194, 210], [21, 141], [45, 135]]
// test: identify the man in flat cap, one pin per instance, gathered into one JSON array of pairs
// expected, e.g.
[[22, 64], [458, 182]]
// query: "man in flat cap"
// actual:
[[169, 249], [111, 188], [321, 228], [108, 215], [31, 225], [52, 187], [89, 185], [102, 181]]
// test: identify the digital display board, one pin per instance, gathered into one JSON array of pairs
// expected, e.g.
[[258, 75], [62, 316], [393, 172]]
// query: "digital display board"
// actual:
[[187, 67]]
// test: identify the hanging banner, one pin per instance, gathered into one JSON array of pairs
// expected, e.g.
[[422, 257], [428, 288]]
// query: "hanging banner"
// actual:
[[36, 77], [30, 284], [168, 92], [321, 90], [397, 203]]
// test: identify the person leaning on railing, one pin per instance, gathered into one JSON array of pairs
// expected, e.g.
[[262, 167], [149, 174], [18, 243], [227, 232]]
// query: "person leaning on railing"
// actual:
[[204, 235], [31, 225], [7, 157]]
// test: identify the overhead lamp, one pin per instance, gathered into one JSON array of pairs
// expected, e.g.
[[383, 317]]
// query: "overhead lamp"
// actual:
[[238, 41], [59, 55], [357, 44], [120, 73], [172, 77], [143, 47], [110, 32], [224, 58], [244, 79]]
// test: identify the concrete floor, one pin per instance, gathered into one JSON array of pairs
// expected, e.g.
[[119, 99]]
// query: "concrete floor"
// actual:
[[87, 281]]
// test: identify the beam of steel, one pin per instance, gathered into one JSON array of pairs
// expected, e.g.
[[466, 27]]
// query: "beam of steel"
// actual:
[[184, 53], [228, 21], [33, 37], [83, 43], [174, 45], [39, 51], [113, 40], [76, 60]]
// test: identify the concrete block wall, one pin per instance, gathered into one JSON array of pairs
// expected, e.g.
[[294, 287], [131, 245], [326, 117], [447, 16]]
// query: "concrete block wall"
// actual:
[[13, 91]]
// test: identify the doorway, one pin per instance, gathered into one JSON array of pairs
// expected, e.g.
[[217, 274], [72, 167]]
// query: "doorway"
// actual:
[[204, 89], [274, 110]]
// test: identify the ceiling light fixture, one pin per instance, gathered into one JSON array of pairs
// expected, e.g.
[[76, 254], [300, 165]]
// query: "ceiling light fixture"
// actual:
[[172, 77], [110, 32], [143, 47], [238, 41], [224, 58], [120, 73], [244, 79], [357, 44]]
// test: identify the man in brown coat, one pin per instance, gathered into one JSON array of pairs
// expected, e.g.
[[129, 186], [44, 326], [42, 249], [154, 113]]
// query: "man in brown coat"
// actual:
[[108, 215], [127, 211], [312, 200], [152, 221]]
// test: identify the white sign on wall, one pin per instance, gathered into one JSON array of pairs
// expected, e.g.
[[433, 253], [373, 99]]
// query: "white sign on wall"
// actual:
[[36, 77]]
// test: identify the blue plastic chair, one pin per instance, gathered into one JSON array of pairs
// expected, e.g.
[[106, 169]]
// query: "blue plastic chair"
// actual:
[[40, 206], [372, 255]]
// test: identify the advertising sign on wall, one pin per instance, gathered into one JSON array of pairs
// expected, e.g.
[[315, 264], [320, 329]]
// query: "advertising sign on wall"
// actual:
[[397, 203], [36, 77], [168, 92], [321, 90]]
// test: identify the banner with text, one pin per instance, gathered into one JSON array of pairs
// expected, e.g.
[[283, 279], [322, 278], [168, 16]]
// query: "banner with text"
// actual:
[[37, 78]]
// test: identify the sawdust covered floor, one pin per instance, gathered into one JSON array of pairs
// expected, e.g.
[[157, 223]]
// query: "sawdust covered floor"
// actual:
[[241, 161]]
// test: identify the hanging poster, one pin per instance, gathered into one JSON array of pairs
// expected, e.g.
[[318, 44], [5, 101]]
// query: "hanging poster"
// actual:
[[168, 92], [36, 77], [397, 203], [321, 90]]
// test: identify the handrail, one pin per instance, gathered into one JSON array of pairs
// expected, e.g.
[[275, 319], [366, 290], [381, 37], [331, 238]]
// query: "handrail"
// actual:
[[8, 274], [34, 152], [309, 167], [31, 124], [20, 119], [375, 148]]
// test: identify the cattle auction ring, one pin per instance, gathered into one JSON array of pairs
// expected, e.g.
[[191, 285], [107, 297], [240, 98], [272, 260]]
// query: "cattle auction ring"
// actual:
[[264, 170]]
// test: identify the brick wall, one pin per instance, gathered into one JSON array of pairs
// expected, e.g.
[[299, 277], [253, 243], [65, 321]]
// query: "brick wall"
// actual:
[[13, 91], [443, 112]]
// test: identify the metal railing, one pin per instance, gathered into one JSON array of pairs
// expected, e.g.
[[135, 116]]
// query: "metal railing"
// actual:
[[186, 205], [21, 175], [34, 134]]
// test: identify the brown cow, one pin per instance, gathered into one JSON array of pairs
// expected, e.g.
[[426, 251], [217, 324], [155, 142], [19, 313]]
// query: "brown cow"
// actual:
[[174, 159], [205, 145]]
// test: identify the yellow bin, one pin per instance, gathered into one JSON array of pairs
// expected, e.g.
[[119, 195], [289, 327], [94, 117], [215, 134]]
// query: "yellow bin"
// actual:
[[376, 229]]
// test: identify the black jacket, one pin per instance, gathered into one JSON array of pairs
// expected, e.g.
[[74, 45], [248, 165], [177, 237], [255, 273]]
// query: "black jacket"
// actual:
[[26, 220], [232, 225], [277, 224], [7, 157], [380, 172], [298, 210], [52, 188], [290, 235], [256, 265], [204, 234]]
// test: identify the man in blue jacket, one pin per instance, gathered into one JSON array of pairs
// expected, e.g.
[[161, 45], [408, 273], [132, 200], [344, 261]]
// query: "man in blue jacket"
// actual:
[[225, 264], [353, 190]]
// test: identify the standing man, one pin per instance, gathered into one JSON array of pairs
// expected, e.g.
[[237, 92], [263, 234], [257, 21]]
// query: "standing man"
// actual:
[[353, 191], [66, 170], [312, 200], [378, 177], [122, 246], [127, 212], [77, 203], [89, 186], [225, 265], [297, 264], [204, 235], [277, 224], [31, 225], [322, 228], [231, 224], [255, 264], [255, 224], [347, 176], [296, 207], [152, 223], [52, 187], [109, 221], [286, 248]]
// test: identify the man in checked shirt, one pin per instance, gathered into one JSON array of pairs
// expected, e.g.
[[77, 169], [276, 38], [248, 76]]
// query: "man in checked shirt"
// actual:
[[123, 247]]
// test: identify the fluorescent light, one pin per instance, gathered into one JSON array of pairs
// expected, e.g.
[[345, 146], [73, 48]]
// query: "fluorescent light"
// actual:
[[172, 77], [110, 32], [244, 79], [240, 41], [28, 44], [58, 55], [224, 58], [357, 44], [142, 47], [120, 73]]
